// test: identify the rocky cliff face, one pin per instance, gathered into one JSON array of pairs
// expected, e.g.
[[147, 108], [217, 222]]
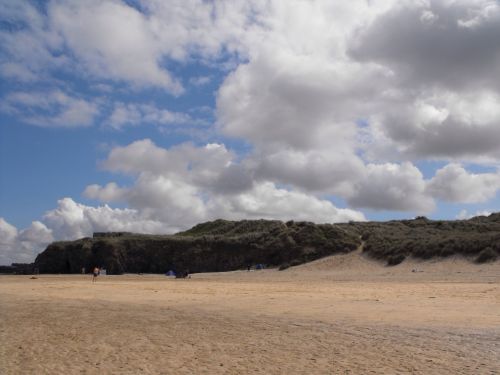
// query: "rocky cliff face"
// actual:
[[229, 245]]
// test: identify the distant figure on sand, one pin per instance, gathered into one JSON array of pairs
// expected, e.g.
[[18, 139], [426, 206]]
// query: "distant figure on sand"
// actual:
[[95, 274]]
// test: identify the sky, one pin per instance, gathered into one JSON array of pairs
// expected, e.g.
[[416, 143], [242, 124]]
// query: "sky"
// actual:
[[153, 116]]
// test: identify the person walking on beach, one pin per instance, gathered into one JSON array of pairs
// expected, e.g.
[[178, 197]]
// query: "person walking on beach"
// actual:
[[95, 274]]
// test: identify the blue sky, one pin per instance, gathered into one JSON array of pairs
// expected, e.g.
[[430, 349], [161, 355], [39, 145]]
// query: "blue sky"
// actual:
[[152, 116]]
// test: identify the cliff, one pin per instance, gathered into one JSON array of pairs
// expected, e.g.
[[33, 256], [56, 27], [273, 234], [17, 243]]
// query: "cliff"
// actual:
[[229, 245]]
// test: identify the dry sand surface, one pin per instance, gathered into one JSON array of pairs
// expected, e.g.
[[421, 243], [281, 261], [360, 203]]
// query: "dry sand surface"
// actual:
[[339, 315]]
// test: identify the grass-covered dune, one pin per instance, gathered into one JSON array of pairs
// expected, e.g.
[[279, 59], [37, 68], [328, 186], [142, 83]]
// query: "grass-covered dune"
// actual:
[[477, 239], [223, 245]]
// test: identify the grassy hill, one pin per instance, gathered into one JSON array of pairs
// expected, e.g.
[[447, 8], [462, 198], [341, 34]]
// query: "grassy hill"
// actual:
[[393, 241], [223, 245]]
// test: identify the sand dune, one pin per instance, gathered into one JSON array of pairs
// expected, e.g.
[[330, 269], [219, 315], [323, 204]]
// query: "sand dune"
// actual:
[[358, 266], [339, 315], [350, 262]]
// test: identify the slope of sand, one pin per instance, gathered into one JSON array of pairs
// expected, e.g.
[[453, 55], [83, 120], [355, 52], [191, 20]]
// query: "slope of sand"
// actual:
[[339, 315]]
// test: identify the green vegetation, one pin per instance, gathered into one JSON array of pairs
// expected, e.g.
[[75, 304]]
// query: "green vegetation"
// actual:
[[422, 238], [223, 245]]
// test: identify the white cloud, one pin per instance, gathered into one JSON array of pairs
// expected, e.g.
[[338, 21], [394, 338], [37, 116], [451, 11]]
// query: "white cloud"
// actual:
[[453, 183], [440, 124], [8, 232], [180, 161], [441, 54], [427, 17], [169, 199], [36, 233], [187, 184], [22, 246], [17, 71], [29, 50], [300, 101], [72, 220], [111, 192], [137, 114], [399, 187], [319, 170], [479, 13], [200, 80], [51, 109], [267, 201], [303, 85], [465, 215], [113, 40]]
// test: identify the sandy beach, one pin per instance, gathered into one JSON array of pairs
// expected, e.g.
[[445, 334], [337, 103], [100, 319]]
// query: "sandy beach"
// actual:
[[339, 315]]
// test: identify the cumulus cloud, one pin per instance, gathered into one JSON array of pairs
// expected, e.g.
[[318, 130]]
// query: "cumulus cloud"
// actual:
[[440, 125], [298, 101], [320, 171], [402, 67], [201, 165], [453, 183], [22, 246], [449, 43], [187, 184], [8, 236], [111, 192], [180, 205], [265, 200], [69, 221], [399, 187], [119, 41], [442, 100], [113, 40], [302, 85], [72, 220], [295, 112]]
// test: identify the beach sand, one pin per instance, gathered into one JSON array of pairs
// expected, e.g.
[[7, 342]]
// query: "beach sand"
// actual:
[[339, 315]]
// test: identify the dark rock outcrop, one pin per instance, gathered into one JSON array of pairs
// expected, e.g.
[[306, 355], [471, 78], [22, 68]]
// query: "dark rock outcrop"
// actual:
[[215, 246]]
